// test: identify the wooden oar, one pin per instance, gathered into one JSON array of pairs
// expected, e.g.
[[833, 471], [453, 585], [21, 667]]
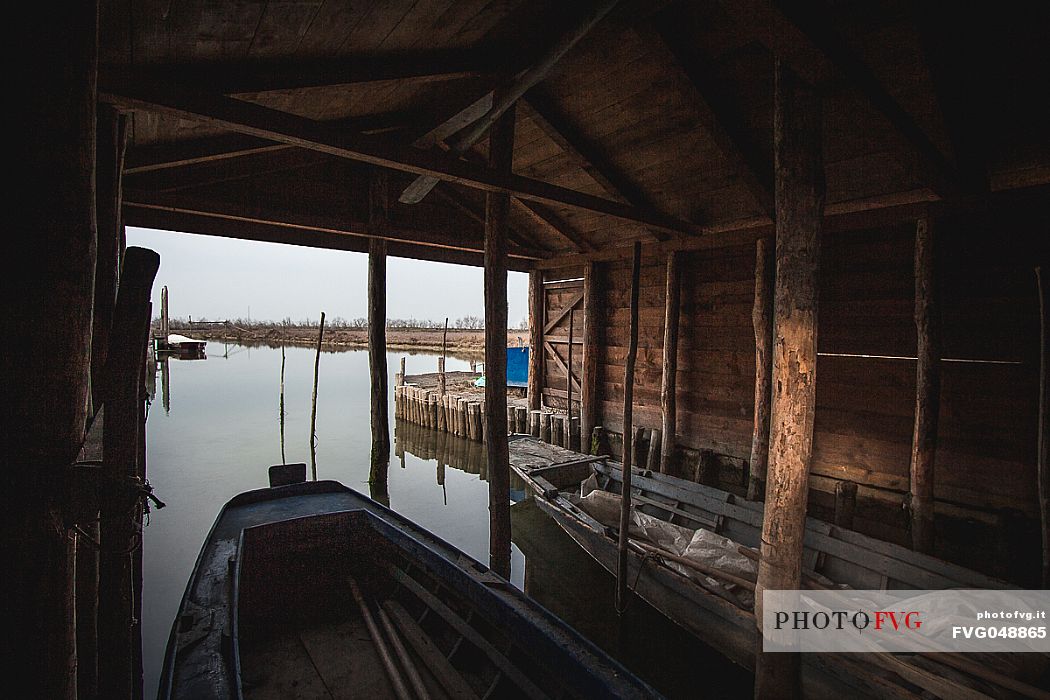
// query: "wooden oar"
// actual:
[[410, 667], [384, 654]]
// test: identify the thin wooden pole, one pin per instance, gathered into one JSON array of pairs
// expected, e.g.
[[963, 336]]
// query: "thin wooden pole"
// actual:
[[535, 382], [441, 361], [628, 418], [497, 205], [313, 403], [927, 390], [589, 383], [1044, 399], [568, 384], [122, 400], [668, 403], [762, 322], [799, 183], [283, 458], [380, 424]]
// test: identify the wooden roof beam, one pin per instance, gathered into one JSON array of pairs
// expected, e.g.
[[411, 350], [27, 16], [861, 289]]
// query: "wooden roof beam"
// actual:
[[707, 99], [553, 223], [247, 164], [458, 202], [254, 120], [804, 39], [504, 97], [267, 76], [557, 126], [449, 238]]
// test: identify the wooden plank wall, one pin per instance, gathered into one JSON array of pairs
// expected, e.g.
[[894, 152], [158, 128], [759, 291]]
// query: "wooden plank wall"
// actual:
[[987, 514]]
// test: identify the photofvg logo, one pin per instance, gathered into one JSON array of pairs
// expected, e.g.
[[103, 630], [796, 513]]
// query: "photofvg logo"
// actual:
[[956, 620]]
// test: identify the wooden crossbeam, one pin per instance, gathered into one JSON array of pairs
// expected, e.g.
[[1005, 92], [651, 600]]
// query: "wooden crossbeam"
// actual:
[[255, 120], [268, 76], [706, 98], [552, 222], [556, 125], [458, 202], [816, 52], [450, 237], [247, 164]]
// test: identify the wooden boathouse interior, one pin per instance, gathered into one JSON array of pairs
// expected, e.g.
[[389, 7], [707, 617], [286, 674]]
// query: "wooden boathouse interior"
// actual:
[[842, 210]]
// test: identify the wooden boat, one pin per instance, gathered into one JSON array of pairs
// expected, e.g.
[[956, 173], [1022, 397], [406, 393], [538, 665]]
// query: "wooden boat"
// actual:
[[711, 610], [313, 590]]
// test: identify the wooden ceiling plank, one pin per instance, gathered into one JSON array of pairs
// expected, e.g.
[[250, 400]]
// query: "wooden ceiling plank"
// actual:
[[544, 114], [507, 95], [816, 52], [255, 120], [716, 117]]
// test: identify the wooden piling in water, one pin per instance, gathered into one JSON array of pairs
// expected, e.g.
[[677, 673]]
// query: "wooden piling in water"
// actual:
[[534, 423], [546, 421], [379, 421]]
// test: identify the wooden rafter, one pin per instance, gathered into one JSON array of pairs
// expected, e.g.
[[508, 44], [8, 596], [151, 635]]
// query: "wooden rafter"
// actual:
[[545, 115], [816, 52], [706, 98], [247, 164], [458, 202], [550, 221], [254, 120], [268, 76]]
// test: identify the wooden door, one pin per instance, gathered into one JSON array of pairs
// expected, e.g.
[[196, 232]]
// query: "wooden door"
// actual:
[[562, 301]]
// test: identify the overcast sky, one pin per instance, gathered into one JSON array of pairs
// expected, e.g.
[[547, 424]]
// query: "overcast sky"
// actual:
[[221, 278]]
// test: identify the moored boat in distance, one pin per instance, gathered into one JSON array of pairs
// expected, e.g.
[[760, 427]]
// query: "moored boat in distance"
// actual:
[[310, 589]]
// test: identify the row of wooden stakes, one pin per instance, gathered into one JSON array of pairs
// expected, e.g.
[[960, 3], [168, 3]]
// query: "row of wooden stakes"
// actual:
[[463, 415]]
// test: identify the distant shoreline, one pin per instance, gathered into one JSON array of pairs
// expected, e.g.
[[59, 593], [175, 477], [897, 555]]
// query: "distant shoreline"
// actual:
[[470, 343]]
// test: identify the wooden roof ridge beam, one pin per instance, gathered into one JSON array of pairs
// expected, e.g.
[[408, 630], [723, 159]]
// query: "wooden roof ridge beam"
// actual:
[[504, 97], [816, 51], [545, 115], [715, 115], [241, 77], [447, 238], [255, 120]]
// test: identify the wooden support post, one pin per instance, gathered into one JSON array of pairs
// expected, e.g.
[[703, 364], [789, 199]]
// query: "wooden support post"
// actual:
[[557, 430], [379, 203], [401, 374], [546, 420], [589, 382], [799, 182], [845, 503], [521, 419], [762, 322], [927, 390], [654, 456], [568, 382], [638, 437], [54, 277], [497, 206], [1043, 287], [441, 376], [668, 403], [535, 381], [628, 418], [313, 402], [534, 423], [122, 399]]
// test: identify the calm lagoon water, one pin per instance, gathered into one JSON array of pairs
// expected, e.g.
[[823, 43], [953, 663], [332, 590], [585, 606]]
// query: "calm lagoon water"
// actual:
[[218, 430]]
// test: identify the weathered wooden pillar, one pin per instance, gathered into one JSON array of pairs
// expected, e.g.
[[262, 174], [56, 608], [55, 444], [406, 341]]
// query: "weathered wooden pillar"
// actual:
[[799, 183], [668, 403], [53, 101], [1042, 460], [313, 401], [535, 382], [628, 419], [927, 390], [591, 351], [112, 143], [497, 206], [379, 211], [762, 322], [121, 501], [568, 382], [845, 503]]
